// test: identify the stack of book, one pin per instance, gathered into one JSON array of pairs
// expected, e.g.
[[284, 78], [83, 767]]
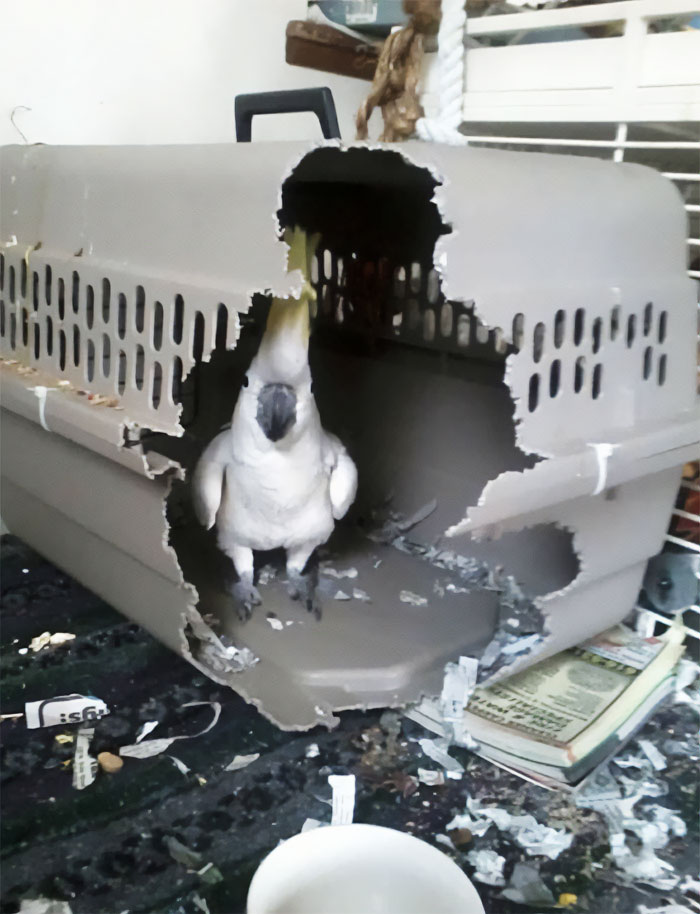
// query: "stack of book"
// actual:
[[558, 720]]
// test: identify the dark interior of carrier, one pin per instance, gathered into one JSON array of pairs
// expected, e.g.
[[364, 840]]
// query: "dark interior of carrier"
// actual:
[[413, 386]]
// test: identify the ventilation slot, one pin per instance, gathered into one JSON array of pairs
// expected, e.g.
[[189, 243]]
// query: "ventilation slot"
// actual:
[[631, 330], [157, 385], [61, 350], [533, 393], [2, 272], [23, 280], [416, 277], [49, 336], [13, 328], [579, 323], [76, 345], [554, 378], [157, 326], [662, 370], [518, 331], [614, 322], [89, 306], [121, 373], [121, 315], [463, 330], [646, 369], [429, 326], [140, 309], [648, 317], [106, 291], [559, 328], [178, 319], [75, 292], [25, 327], [106, 355], [446, 319], [579, 374], [198, 336], [61, 298], [48, 279], [37, 341], [597, 381], [11, 277], [663, 317], [597, 332], [35, 290], [90, 360], [2, 317], [176, 386], [538, 342], [139, 368], [432, 288], [221, 327]]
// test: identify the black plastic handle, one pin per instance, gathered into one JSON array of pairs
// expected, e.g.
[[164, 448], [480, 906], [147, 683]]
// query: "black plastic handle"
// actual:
[[318, 101]]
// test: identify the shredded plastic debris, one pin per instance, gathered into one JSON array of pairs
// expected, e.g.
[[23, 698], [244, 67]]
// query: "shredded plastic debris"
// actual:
[[407, 596], [362, 595], [537, 839], [312, 751], [179, 764], [431, 778], [147, 728], [311, 824], [338, 573], [44, 906], [147, 748], [436, 749], [526, 887], [341, 595], [488, 866], [275, 623], [242, 761], [652, 753], [181, 853], [210, 874], [614, 800], [84, 765]]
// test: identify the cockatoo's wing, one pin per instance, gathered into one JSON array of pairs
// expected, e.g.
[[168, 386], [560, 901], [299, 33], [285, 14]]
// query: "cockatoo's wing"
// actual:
[[343, 481], [208, 480]]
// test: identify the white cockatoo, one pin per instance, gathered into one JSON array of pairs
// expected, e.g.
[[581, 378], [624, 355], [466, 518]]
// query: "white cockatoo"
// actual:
[[276, 478]]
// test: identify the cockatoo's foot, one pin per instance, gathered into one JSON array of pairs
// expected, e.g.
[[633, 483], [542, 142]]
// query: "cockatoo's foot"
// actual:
[[246, 597], [303, 587]]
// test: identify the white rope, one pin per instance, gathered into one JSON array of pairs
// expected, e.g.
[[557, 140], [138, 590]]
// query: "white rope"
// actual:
[[450, 62]]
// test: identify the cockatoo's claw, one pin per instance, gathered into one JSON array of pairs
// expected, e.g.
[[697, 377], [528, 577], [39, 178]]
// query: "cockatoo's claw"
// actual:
[[246, 597], [302, 587], [313, 604]]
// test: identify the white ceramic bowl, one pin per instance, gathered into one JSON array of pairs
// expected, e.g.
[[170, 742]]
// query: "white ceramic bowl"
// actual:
[[360, 869]]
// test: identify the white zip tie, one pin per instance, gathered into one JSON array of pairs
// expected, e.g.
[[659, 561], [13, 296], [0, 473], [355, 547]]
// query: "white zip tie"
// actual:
[[40, 393], [603, 452]]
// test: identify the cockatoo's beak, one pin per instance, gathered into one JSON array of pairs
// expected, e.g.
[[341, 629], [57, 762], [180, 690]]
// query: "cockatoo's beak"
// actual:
[[277, 410]]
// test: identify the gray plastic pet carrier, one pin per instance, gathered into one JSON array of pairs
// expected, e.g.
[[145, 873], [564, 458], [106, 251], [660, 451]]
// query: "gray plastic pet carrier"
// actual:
[[505, 342]]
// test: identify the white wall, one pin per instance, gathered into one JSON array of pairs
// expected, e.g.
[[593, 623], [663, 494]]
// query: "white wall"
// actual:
[[152, 71]]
